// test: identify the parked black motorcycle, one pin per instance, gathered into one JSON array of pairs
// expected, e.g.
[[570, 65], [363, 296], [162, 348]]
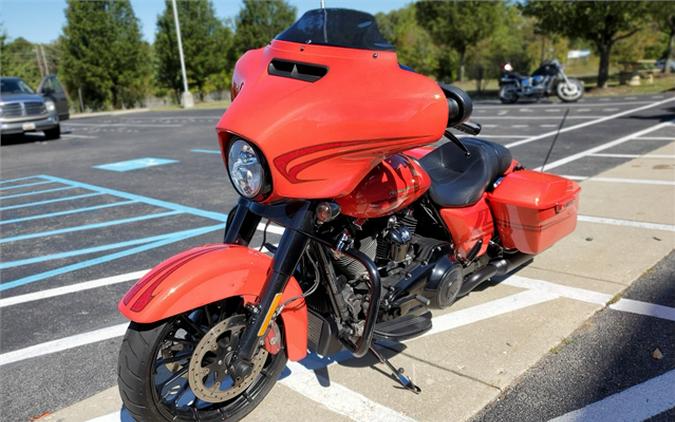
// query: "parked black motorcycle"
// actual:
[[549, 78]]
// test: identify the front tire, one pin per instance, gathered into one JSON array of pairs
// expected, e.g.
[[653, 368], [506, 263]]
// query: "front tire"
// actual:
[[53, 133], [571, 92], [507, 95], [153, 370]]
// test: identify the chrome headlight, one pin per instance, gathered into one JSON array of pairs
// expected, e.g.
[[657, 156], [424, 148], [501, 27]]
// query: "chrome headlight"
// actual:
[[49, 104], [246, 169]]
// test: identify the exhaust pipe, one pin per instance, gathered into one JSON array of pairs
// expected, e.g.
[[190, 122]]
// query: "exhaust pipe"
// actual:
[[494, 268]]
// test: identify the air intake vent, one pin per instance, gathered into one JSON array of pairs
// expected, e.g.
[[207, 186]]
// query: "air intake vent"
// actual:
[[295, 70]]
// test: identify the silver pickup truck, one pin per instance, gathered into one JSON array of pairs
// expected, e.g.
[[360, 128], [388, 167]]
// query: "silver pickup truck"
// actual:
[[23, 110]]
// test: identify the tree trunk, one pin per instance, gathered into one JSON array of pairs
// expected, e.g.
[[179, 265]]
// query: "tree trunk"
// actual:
[[603, 69], [462, 58], [669, 53]]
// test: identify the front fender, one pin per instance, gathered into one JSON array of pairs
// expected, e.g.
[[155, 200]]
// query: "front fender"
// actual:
[[207, 274]]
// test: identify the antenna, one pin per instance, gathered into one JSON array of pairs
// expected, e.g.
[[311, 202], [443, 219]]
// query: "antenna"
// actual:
[[562, 123]]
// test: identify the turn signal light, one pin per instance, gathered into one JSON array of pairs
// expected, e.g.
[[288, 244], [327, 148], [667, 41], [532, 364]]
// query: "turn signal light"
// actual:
[[327, 211]]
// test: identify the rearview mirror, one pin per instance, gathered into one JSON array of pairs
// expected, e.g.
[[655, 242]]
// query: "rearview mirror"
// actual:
[[460, 105]]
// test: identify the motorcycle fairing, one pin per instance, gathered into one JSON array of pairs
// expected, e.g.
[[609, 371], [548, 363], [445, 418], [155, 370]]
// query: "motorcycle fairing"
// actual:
[[208, 274], [321, 138]]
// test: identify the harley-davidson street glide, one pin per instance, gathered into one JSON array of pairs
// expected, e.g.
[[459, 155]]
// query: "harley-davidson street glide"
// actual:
[[328, 137]]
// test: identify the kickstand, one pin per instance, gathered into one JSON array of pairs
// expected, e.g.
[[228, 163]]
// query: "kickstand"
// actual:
[[397, 374]]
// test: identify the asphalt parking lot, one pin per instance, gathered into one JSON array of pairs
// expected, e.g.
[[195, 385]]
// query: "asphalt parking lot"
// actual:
[[85, 216]]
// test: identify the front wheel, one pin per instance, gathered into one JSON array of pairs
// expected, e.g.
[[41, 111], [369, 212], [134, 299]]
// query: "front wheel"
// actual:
[[507, 95], [569, 91], [175, 370], [53, 133]]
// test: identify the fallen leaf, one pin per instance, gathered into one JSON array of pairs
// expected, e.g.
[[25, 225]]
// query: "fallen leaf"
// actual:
[[656, 354]]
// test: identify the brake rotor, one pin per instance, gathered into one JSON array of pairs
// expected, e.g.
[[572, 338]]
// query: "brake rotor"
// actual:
[[208, 373]]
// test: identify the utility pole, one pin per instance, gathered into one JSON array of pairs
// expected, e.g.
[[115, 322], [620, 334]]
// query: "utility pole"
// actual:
[[44, 60], [186, 99], [39, 63]]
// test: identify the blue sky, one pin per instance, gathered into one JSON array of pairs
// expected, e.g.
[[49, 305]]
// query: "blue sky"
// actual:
[[41, 21]]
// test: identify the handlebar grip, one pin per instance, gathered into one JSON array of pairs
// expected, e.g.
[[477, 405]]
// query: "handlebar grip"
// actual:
[[472, 128]]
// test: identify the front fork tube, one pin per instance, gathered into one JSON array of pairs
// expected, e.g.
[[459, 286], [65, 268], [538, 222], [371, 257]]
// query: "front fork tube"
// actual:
[[288, 254]]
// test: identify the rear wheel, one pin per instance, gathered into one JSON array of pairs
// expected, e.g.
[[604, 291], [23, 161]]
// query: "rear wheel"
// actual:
[[53, 133], [175, 370]]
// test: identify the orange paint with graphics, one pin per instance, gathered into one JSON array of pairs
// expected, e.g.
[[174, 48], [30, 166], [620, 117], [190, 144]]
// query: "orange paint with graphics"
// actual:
[[320, 139], [207, 274], [391, 186]]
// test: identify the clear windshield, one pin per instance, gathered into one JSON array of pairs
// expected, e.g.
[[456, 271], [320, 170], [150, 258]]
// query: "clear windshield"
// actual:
[[14, 86], [339, 28]]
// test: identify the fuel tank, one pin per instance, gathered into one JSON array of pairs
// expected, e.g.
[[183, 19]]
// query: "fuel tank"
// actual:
[[392, 185], [324, 116]]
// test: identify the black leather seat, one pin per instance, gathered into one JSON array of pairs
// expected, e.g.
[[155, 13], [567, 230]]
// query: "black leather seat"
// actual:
[[458, 181]]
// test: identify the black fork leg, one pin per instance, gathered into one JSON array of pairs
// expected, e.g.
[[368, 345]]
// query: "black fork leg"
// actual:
[[286, 258]]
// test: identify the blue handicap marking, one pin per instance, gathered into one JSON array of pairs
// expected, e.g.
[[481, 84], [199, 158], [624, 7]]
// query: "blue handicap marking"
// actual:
[[105, 252], [206, 151], [139, 163]]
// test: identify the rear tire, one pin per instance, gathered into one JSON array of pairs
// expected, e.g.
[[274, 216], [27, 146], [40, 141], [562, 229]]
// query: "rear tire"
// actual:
[[53, 133], [138, 367]]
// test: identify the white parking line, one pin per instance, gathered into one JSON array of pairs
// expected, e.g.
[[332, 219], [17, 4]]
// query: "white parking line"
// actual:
[[339, 398], [64, 343], [555, 117], [601, 147], [487, 310], [583, 295], [657, 138], [622, 180], [520, 126], [592, 122], [479, 106], [121, 124], [624, 305], [644, 308], [496, 136], [655, 156], [626, 223], [71, 288], [70, 135], [637, 403]]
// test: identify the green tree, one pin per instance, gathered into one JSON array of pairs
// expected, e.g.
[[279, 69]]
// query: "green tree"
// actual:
[[664, 15], [414, 46], [206, 42], [102, 53], [458, 24], [18, 58], [601, 22], [510, 42], [258, 22], [132, 69]]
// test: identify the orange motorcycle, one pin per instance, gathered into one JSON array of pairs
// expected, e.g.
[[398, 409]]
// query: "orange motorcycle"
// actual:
[[328, 138]]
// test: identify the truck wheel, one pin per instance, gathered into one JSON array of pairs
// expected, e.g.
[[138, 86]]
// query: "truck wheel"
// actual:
[[53, 133]]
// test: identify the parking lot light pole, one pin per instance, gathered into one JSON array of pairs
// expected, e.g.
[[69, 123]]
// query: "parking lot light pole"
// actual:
[[186, 99]]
